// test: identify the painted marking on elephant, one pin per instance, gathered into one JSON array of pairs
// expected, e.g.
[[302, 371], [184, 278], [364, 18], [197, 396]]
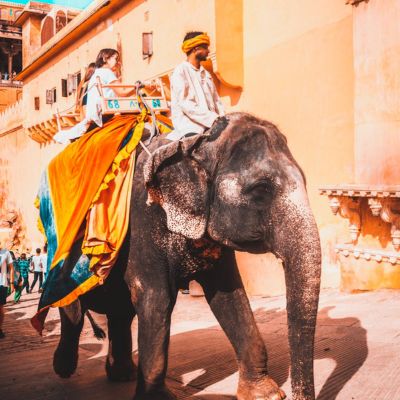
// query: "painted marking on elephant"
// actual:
[[212, 253], [229, 190], [208, 249], [135, 289], [191, 226], [137, 284]]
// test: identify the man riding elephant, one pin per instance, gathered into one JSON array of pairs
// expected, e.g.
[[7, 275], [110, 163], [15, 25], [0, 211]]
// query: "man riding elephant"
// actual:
[[195, 103]]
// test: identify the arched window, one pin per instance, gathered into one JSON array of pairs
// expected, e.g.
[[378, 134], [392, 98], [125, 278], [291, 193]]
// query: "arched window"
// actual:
[[47, 31], [61, 20]]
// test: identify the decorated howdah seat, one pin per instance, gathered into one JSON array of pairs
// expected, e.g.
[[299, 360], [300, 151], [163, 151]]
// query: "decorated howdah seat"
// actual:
[[149, 94]]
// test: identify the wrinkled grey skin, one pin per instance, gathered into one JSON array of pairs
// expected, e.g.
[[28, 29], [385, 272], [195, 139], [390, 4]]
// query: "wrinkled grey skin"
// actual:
[[236, 188]]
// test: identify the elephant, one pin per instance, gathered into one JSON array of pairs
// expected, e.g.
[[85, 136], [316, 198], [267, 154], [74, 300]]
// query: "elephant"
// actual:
[[194, 203]]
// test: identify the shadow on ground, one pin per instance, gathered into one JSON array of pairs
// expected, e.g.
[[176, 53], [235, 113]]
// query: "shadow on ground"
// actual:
[[198, 359], [208, 352]]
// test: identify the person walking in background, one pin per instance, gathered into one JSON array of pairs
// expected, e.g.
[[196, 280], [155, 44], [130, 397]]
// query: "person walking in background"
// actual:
[[36, 265], [22, 266], [44, 262], [6, 272]]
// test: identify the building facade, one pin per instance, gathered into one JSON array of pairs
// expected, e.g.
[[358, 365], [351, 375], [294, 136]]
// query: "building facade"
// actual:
[[312, 68], [10, 54]]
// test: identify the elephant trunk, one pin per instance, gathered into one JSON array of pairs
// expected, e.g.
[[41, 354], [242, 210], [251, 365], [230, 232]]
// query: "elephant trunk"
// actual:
[[297, 244]]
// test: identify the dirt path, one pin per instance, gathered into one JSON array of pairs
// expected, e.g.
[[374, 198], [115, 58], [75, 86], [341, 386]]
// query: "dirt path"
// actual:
[[357, 352]]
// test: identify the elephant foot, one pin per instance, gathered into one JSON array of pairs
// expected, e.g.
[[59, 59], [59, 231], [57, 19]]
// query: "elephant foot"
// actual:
[[261, 389], [161, 393], [65, 361], [120, 371]]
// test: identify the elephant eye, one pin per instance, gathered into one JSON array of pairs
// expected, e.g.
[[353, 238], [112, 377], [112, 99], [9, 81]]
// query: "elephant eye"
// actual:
[[260, 189]]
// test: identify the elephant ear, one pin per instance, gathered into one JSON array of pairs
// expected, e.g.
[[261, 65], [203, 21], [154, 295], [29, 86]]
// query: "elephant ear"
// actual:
[[178, 183]]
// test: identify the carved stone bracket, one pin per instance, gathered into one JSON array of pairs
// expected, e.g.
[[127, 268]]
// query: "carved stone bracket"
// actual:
[[349, 208], [383, 201], [389, 211]]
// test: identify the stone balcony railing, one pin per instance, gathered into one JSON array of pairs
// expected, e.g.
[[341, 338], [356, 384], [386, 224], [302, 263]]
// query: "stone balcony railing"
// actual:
[[11, 118], [10, 83], [6, 27]]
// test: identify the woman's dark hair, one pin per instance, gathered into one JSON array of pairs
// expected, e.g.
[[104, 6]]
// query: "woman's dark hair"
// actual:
[[89, 71], [104, 55], [191, 35]]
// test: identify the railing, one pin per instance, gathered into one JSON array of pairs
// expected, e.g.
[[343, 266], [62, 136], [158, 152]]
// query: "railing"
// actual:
[[10, 83], [5, 28], [11, 117]]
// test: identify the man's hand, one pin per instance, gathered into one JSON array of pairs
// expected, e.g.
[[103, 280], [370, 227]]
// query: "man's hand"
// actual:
[[12, 287]]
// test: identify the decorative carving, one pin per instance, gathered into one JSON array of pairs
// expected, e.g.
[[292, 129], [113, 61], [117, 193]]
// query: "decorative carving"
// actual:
[[11, 220], [348, 207], [375, 205], [368, 254], [391, 213], [389, 210], [383, 201], [334, 204], [352, 190]]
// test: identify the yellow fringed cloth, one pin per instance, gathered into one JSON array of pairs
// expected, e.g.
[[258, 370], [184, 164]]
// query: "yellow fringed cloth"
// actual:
[[86, 191]]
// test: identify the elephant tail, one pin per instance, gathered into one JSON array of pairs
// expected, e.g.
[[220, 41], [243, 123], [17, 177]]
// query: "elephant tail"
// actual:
[[97, 330]]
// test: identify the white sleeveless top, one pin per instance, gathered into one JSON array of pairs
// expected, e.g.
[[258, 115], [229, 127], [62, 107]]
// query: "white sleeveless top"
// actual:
[[93, 108]]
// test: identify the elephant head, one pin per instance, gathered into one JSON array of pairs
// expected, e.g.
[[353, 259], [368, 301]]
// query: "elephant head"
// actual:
[[240, 186]]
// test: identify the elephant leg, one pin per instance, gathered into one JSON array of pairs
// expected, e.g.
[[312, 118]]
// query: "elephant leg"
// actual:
[[302, 292], [65, 358], [154, 307], [119, 364], [227, 298]]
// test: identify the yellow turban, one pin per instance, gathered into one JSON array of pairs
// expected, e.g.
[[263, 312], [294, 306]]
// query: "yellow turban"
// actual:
[[190, 44]]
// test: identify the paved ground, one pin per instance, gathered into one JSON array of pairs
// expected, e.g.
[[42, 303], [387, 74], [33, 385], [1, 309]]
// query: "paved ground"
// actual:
[[357, 352]]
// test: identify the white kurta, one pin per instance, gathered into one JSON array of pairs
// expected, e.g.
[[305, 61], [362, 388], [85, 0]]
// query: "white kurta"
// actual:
[[5, 261], [195, 103]]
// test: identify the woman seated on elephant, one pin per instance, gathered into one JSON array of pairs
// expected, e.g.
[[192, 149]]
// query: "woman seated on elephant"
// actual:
[[106, 65]]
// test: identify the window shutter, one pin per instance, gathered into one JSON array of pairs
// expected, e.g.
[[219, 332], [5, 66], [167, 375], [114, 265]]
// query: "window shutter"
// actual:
[[49, 97], [147, 44], [64, 92], [70, 84]]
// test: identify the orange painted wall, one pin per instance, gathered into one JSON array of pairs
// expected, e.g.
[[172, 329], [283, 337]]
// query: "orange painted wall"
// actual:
[[30, 39], [376, 36], [377, 83], [299, 75]]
